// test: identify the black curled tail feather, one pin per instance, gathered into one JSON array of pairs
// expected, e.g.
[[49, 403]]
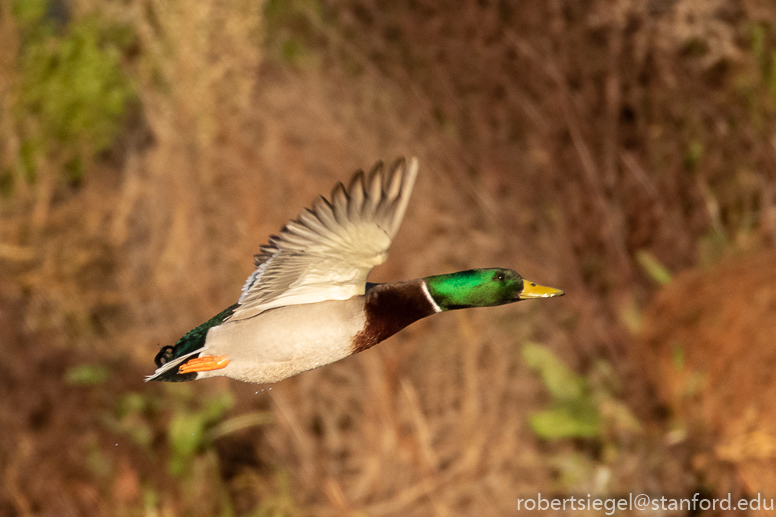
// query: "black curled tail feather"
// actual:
[[164, 356], [168, 366]]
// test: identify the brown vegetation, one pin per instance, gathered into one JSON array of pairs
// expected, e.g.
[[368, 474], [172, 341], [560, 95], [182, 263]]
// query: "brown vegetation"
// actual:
[[709, 348], [563, 139]]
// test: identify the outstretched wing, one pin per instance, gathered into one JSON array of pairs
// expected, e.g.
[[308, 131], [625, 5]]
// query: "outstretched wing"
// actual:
[[327, 252]]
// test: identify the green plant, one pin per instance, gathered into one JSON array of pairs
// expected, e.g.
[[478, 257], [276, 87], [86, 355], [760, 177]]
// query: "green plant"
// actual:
[[290, 28], [188, 431], [580, 407], [133, 416], [279, 504], [653, 267], [693, 155], [573, 412], [764, 78], [72, 94], [86, 375]]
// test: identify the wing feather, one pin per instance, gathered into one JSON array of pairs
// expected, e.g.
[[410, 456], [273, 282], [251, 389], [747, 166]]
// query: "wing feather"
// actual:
[[374, 187], [325, 213], [339, 201], [356, 195], [310, 220], [327, 252]]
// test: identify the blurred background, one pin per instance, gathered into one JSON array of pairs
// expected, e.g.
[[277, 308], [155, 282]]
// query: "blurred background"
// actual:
[[622, 150]]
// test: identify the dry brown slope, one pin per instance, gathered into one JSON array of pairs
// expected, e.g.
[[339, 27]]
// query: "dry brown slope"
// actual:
[[710, 346]]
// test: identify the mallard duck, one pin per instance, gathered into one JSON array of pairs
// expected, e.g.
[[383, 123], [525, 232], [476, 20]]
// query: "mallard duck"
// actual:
[[308, 303]]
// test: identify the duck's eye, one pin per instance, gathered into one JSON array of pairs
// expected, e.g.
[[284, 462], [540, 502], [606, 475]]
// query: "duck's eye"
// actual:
[[500, 277]]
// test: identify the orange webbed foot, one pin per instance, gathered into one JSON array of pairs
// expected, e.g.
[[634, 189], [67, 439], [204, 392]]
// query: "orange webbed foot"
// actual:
[[204, 364]]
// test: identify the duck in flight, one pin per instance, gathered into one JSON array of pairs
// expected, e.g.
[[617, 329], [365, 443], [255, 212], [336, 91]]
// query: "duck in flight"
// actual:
[[308, 303]]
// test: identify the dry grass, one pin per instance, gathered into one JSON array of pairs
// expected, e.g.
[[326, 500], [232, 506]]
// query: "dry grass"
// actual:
[[557, 138]]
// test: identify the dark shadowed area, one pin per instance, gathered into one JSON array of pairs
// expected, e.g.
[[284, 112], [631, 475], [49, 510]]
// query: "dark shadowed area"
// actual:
[[623, 151]]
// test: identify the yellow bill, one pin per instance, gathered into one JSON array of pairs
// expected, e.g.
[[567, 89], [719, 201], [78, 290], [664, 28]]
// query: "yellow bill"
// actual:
[[532, 290]]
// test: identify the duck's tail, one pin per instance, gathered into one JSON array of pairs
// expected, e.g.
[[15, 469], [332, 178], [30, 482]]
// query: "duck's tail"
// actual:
[[170, 358]]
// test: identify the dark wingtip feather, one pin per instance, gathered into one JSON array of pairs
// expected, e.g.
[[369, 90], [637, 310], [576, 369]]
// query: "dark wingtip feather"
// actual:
[[398, 164], [358, 178]]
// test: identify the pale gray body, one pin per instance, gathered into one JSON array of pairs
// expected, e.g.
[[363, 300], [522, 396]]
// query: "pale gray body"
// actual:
[[285, 341]]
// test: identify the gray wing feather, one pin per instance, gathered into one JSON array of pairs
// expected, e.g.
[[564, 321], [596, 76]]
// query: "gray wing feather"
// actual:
[[328, 250]]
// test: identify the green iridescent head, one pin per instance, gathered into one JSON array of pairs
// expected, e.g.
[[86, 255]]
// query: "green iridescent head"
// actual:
[[483, 288]]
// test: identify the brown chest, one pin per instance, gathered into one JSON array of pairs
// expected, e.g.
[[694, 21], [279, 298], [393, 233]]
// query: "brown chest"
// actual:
[[389, 308]]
